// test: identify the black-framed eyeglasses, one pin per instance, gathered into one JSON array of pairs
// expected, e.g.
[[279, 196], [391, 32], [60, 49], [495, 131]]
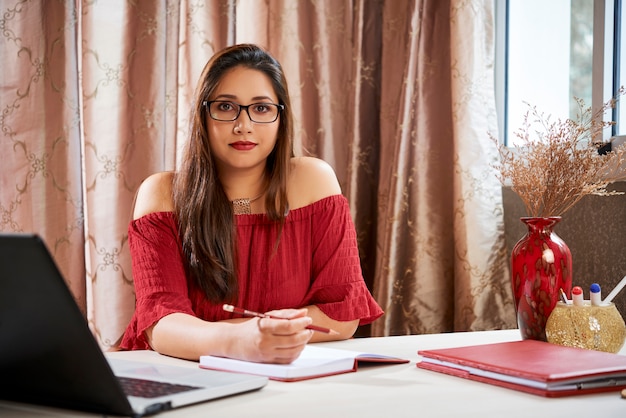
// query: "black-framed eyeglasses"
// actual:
[[226, 111]]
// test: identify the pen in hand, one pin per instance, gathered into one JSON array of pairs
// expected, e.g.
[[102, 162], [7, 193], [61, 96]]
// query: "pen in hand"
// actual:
[[245, 312]]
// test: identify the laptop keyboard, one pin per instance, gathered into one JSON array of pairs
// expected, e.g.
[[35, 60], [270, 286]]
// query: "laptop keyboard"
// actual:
[[151, 389]]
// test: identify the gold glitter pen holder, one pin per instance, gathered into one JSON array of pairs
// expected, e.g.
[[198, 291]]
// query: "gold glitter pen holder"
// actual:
[[594, 327]]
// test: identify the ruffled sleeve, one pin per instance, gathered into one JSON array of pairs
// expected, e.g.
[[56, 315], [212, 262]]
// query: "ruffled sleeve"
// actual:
[[338, 288], [158, 274]]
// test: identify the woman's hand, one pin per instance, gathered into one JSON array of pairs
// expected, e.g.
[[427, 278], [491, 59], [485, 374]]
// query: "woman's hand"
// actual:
[[279, 339], [263, 340]]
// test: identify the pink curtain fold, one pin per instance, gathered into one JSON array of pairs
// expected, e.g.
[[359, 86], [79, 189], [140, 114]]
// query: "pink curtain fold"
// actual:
[[396, 95], [41, 170]]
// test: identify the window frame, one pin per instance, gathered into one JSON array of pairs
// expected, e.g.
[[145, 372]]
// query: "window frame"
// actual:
[[608, 21]]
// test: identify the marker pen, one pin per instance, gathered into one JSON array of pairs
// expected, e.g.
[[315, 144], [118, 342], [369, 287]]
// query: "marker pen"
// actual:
[[577, 296], [615, 291], [595, 295]]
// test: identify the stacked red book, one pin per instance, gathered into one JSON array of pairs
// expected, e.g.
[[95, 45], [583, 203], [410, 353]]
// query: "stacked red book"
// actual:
[[531, 366]]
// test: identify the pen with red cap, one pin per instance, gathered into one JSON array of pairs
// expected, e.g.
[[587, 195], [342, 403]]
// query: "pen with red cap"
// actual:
[[577, 296], [246, 312]]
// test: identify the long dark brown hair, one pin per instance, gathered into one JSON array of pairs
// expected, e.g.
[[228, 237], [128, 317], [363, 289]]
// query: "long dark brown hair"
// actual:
[[204, 213]]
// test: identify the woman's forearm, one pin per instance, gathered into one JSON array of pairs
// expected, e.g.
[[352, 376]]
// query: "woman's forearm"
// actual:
[[185, 336], [346, 329]]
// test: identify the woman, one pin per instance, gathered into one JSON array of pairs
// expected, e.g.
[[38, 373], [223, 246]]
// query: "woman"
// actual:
[[243, 222]]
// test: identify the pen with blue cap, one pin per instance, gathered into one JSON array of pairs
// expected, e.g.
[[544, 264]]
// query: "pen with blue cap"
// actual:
[[595, 295]]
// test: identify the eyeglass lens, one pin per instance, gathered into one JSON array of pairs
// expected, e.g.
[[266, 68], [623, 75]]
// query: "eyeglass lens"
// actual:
[[229, 111]]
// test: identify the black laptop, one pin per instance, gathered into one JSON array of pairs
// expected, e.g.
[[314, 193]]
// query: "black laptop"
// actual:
[[48, 355]]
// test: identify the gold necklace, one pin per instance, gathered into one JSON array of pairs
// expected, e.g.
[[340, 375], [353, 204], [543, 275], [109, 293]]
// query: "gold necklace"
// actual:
[[242, 206]]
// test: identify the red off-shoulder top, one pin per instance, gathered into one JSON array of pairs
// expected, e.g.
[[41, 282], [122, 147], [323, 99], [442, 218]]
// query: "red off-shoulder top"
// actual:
[[316, 263]]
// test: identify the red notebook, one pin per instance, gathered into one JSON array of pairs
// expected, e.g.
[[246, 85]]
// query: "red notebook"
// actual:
[[531, 366]]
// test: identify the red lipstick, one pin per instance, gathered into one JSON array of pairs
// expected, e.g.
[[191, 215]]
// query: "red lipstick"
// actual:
[[243, 145]]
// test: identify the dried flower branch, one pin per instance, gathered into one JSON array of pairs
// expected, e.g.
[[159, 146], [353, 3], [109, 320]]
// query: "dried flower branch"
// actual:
[[558, 163]]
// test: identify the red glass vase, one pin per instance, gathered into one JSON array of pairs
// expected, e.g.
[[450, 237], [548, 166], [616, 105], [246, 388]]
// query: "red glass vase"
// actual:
[[541, 264]]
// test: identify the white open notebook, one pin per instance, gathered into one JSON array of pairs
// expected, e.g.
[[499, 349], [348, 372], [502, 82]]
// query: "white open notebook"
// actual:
[[314, 361]]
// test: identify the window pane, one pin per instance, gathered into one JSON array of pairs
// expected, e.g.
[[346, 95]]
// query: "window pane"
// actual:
[[549, 58]]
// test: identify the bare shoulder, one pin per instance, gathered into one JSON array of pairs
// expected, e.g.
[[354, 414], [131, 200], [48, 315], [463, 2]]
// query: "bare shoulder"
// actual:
[[311, 180], [154, 195]]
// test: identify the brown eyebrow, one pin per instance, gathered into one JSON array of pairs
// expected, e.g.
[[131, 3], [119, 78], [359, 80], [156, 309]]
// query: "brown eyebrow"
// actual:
[[254, 99]]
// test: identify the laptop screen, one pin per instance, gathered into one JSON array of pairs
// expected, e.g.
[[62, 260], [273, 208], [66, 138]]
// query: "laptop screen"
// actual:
[[49, 356], [47, 352]]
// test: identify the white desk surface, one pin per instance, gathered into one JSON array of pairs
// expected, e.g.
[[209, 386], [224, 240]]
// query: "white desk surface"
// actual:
[[380, 391]]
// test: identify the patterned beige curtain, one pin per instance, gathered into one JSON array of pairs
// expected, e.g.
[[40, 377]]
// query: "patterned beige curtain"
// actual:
[[95, 98], [40, 148], [396, 95]]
